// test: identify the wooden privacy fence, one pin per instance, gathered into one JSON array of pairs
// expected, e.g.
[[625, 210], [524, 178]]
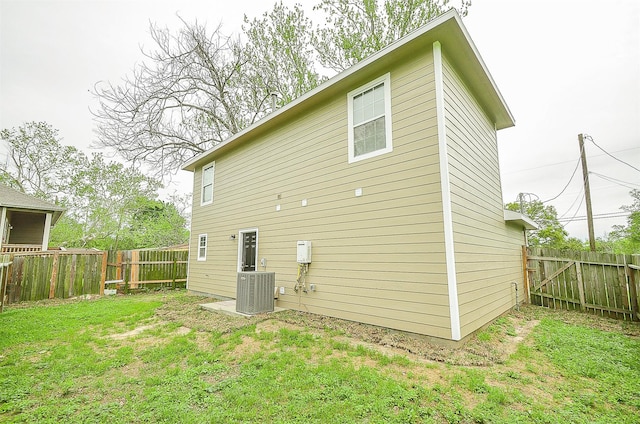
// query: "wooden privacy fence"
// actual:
[[157, 267], [5, 262], [54, 274], [602, 283], [28, 276]]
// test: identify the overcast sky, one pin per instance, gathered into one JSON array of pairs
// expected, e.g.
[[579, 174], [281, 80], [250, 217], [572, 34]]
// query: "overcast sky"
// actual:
[[564, 67]]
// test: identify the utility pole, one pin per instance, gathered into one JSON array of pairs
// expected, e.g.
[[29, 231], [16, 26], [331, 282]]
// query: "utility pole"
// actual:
[[587, 193]]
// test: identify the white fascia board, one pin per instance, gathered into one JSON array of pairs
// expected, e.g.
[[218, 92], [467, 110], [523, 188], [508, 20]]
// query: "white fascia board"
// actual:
[[451, 14], [520, 219]]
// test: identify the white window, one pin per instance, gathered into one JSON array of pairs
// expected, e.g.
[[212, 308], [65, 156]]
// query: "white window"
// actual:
[[207, 184], [369, 109], [202, 247]]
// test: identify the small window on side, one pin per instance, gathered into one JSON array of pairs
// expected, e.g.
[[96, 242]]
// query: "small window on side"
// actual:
[[207, 184], [202, 247]]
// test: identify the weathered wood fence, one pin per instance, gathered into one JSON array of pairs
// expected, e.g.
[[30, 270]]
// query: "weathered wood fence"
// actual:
[[5, 262], [53, 274], [29, 276], [600, 283], [148, 267]]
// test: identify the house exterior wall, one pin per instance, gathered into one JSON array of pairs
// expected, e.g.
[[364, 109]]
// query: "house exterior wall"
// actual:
[[487, 250], [28, 228], [377, 258]]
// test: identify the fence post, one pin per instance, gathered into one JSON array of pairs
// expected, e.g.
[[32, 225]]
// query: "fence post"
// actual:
[[5, 262], [103, 272], [580, 285], [525, 271], [633, 293], [135, 269], [54, 276], [119, 265]]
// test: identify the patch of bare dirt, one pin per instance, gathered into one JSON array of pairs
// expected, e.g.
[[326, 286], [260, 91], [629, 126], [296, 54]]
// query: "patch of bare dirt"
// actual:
[[248, 347], [522, 330], [421, 349], [187, 311], [132, 333]]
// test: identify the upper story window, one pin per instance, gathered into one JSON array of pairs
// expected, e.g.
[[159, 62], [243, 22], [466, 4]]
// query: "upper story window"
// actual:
[[202, 247], [369, 109], [207, 184]]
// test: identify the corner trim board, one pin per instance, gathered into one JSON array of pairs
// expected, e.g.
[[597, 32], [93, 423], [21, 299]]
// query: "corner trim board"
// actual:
[[445, 188]]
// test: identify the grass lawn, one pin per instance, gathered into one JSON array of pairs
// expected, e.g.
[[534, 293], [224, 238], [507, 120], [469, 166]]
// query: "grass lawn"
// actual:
[[159, 358]]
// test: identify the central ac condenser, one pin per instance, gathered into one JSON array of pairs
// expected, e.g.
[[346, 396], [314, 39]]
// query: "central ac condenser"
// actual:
[[255, 292]]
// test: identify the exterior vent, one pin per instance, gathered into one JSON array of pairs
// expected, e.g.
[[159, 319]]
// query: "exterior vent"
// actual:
[[255, 292]]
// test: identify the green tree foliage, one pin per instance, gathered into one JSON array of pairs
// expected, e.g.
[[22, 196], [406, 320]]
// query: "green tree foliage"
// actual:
[[626, 238], [279, 53], [550, 232], [154, 223], [197, 88], [104, 197], [105, 200], [356, 29]]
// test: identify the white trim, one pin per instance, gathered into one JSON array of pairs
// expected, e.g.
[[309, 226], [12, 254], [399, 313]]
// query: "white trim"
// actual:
[[386, 80], [445, 188], [448, 25], [520, 219], [3, 218], [202, 258], [241, 243], [211, 165], [46, 232]]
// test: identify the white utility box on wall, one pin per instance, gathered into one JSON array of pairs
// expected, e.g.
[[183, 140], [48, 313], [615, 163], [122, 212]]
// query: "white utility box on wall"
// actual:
[[304, 252]]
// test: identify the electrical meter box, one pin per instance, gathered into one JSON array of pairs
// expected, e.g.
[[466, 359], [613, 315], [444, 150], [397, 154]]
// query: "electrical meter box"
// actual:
[[304, 252]]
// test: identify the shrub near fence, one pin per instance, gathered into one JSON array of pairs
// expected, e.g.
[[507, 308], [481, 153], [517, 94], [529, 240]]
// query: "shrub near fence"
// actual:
[[602, 283]]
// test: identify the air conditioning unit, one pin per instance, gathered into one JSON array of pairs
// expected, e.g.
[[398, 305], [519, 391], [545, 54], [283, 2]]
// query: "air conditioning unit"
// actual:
[[254, 293]]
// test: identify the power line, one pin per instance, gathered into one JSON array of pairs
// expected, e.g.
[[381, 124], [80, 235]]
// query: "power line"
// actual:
[[616, 181], [575, 214], [588, 137], [565, 161], [607, 215], [567, 185], [579, 196]]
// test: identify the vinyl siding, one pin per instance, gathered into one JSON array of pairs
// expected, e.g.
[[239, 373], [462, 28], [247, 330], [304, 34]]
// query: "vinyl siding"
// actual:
[[378, 258], [487, 251]]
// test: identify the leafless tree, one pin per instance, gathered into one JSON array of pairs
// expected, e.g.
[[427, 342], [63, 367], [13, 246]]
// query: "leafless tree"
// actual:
[[196, 89], [188, 95]]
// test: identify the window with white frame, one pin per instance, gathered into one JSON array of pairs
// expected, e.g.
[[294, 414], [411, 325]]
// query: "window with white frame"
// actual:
[[202, 247], [369, 118], [207, 184]]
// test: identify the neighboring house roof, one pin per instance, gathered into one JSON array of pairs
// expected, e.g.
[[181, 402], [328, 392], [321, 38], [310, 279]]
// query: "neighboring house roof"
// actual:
[[457, 46], [14, 199]]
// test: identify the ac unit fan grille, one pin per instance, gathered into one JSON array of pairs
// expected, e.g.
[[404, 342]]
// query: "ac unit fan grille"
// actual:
[[255, 291]]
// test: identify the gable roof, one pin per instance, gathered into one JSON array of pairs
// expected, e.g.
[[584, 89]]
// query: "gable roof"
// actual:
[[457, 46], [14, 199]]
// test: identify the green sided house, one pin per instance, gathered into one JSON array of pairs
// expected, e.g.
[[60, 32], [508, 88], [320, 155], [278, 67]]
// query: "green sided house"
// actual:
[[386, 177]]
